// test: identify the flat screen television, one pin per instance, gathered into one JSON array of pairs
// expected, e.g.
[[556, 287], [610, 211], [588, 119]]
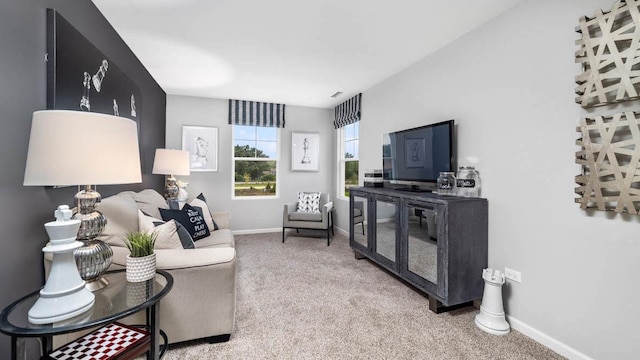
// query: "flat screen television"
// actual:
[[417, 156]]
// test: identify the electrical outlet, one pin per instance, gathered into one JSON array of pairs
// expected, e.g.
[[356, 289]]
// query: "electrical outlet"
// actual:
[[512, 274]]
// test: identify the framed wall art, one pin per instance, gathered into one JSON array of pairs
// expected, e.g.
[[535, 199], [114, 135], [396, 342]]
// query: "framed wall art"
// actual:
[[202, 144], [305, 149], [80, 77]]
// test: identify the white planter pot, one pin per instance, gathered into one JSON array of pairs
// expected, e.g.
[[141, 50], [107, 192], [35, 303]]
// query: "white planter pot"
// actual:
[[141, 268]]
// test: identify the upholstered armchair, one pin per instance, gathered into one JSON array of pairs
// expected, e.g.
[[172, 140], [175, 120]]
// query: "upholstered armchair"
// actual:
[[311, 211]]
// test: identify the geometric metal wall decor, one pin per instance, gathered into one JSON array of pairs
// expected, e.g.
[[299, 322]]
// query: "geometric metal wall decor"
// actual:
[[609, 50], [610, 157]]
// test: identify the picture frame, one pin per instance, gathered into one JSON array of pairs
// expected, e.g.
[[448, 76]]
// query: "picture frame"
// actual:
[[202, 144], [305, 151], [81, 77]]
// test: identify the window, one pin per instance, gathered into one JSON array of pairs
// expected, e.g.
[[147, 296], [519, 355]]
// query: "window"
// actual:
[[348, 156], [255, 161]]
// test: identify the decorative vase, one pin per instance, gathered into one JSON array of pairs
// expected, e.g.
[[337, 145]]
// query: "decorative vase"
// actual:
[[141, 268]]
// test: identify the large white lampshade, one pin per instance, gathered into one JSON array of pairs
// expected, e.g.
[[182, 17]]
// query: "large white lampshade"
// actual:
[[82, 148]]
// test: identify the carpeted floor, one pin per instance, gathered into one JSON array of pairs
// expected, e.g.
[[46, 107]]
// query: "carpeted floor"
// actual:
[[304, 300]]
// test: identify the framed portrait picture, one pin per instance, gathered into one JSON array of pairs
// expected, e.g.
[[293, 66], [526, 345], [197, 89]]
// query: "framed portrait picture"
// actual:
[[202, 144], [414, 152], [305, 149]]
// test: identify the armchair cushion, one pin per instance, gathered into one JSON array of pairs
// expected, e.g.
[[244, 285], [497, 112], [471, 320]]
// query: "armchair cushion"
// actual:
[[305, 216], [191, 218], [309, 202]]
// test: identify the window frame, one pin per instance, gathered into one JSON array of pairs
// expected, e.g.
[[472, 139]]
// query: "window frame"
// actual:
[[234, 159]]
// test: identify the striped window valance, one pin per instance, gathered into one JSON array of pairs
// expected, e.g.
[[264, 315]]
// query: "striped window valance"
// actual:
[[348, 112], [255, 113]]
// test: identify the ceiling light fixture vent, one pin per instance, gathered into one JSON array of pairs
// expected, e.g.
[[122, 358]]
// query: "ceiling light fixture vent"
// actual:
[[338, 93]]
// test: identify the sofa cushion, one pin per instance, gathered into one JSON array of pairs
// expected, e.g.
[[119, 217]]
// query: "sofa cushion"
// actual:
[[149, 201], [191, 218], [218, 238], [201, 201], [305, 216], [170, 234], [308, 202], [121, 213]]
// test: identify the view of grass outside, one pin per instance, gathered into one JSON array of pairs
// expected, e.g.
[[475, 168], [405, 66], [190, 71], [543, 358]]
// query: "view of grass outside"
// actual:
[[255, 178], [254, 164], [350, 174]]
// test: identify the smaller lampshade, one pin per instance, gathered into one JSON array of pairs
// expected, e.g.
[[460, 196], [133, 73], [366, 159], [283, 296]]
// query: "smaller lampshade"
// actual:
[[171, 162]]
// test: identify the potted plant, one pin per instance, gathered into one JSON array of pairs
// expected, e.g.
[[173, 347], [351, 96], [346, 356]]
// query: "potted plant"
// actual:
[[141, 262]]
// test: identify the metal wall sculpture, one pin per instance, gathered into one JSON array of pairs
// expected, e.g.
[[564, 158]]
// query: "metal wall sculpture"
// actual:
[[609, 155], [609, 50]]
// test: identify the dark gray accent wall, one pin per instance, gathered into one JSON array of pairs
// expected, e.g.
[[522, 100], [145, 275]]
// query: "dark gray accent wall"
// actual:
[[24, 210]]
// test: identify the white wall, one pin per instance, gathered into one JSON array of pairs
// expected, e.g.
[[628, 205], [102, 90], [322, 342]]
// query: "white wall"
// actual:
[[510, 87], [251, 214]]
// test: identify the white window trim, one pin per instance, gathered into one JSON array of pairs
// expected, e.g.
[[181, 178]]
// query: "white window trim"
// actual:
[[233, 169]]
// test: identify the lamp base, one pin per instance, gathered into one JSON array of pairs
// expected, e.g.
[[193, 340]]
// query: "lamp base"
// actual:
[[97, 284], [94, 258], [171, 188]]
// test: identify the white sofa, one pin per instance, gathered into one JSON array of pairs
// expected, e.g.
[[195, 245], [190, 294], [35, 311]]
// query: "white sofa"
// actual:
[[203, 299]]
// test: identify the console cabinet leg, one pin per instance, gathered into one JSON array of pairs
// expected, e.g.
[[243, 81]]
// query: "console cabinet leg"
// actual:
[[357, 255]]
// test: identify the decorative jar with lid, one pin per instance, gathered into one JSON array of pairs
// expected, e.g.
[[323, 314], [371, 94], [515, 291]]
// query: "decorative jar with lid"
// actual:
[[447, 183], [468, 181]]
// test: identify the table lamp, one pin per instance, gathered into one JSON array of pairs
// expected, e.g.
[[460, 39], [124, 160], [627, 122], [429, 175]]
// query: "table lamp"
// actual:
[[84, 149], [171, 162]]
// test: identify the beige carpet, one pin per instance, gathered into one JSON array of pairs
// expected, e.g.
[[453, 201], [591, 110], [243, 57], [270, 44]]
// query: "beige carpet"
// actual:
[[304, 300]]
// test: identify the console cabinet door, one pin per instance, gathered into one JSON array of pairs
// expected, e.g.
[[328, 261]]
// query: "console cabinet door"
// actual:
[[358, 222], [386, 242], [424, 245]]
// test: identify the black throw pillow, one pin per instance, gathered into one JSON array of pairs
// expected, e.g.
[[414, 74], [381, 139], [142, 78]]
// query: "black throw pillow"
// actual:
[[191, 217]]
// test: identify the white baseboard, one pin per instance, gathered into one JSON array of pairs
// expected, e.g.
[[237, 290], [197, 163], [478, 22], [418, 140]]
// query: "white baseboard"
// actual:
[[256, 231], [546, 340]]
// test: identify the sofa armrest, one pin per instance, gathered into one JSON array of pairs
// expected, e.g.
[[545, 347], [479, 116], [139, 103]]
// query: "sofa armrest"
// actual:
[[222, 218], [170, 259]]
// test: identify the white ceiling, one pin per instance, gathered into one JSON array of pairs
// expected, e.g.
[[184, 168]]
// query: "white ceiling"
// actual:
[[296, 52]]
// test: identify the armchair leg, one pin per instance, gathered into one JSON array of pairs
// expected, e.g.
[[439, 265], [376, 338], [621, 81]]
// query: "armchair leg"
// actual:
[[283, 230]]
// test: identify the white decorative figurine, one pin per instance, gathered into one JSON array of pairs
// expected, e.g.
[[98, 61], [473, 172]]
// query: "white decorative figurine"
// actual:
[[64, 295], [183, 195]]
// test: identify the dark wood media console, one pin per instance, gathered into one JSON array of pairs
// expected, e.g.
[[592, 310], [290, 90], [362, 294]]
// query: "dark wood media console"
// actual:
[[436, 243]]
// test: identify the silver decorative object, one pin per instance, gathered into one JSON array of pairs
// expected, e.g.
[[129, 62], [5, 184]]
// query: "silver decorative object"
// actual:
[[94, 258]]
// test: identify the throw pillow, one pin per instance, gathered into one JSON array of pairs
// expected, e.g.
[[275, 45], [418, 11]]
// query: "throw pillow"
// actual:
[[170, 234], [191, 217], [309, 202], [201, 201]]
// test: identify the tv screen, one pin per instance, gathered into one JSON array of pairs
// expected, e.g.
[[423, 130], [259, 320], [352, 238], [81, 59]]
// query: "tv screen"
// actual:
[[417, 156]]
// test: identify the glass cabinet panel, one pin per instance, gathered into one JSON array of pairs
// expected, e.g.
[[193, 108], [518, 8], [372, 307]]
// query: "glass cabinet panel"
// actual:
[[359, 230], [422, 245], [386, 228]]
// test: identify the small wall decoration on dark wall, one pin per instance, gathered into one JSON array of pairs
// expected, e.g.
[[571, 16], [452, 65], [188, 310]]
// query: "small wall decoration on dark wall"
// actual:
[[80, 77], [609, 47], [609, 155]]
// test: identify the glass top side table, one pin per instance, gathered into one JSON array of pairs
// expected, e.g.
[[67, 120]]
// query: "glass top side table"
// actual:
[[116, 301]]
